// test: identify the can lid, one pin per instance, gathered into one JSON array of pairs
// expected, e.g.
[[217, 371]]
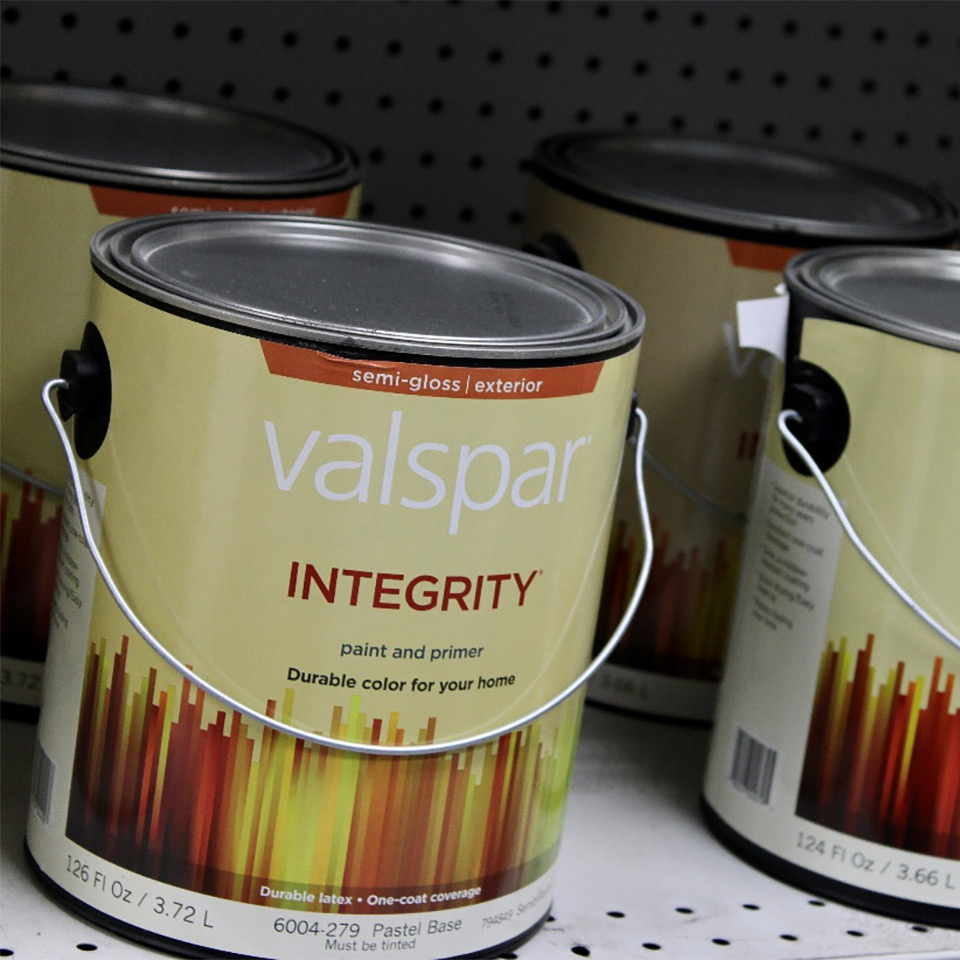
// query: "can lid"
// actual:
[[126, 139], [907, 291], [366, 287], [742, 190]]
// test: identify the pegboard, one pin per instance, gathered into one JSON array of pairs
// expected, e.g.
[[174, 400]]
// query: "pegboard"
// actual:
[[445, 101]]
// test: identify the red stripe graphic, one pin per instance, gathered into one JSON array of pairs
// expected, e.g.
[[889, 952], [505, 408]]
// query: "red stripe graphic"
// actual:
[[117, 202], [880, 764]]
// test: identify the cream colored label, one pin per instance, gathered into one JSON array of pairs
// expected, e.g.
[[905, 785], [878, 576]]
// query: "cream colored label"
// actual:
[[47, 227], [428, 561], [704, 396], [835, 739]]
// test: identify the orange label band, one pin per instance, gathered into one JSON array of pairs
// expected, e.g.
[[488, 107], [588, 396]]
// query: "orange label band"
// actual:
[[117, 202], [430, 380]]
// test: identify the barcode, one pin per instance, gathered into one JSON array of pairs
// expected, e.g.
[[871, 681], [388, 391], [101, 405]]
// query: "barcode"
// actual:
[[753, 767], [42, 787]]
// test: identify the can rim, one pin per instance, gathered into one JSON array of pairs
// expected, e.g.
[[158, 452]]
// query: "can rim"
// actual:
[[340, 170], [121, 254], [552, 164], [814, 276]]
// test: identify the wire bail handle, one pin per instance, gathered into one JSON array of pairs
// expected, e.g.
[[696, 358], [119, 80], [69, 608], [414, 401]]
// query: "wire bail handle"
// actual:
[[782, 423], [414, 749]]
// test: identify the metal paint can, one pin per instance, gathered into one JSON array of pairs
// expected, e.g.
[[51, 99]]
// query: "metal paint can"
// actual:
[[835, 760], [690, 227], [73, 160], [362, 479]]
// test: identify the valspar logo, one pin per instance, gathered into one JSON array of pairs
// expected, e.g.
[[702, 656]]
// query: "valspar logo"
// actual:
[[344, 466]]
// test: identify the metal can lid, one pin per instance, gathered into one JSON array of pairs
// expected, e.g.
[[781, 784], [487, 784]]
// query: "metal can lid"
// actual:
[[364, 287], [743, 190], [908, 291], [125, 139]]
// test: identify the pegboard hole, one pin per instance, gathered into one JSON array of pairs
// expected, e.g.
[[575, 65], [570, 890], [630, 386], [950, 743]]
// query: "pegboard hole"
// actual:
[[173, 85], [61, 76], [118, 80], [652, 946], [617, 914], [342, 43], [181, 30], [698, 18], [790, 28], [290, 39], [816, 903], [87, 947], [227, 90], [854, 933], [721, 941], [684, 909], [11, 15], [792, 938], [750, 906], [580, 951], [282, 94], [920, 929], [68, 21], [125, 25], [5, 952], [237, 35]]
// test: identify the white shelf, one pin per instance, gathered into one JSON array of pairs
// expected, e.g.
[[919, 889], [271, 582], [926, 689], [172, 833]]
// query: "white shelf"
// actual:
[[639, 873]]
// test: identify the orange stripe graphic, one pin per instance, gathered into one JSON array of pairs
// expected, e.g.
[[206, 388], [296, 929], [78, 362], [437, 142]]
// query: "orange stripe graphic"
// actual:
[[429, 380]]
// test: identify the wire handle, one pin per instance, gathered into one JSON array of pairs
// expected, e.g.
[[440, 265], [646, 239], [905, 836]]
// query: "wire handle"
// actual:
[[811, 465], [414, 749]]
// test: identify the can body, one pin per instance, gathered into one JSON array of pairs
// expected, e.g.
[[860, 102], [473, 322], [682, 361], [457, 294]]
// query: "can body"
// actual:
[[704, 396], [834, 760], [53, 211], [387, 550], [690, 228]]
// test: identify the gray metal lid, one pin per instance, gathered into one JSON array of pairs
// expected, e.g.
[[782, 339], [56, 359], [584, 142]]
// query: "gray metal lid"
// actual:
[[913, 293], [366, 287], [743, 190], [135, 140]]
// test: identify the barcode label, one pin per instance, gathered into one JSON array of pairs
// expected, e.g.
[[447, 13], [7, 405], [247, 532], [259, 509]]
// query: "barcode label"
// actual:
[[41, 790], [753, 767]]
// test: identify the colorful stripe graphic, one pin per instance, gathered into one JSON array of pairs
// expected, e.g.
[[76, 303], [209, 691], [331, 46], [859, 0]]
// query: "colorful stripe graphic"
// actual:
[[30, 546], [880, 764], [680, 628], [223, 807]]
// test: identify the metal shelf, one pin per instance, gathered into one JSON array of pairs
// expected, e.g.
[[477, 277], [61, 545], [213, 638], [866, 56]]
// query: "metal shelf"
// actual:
[[639, 874]]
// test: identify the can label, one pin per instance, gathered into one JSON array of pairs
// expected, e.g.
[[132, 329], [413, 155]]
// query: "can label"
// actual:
[[382, 551], [837, 738], [704, 396], [46, 290]]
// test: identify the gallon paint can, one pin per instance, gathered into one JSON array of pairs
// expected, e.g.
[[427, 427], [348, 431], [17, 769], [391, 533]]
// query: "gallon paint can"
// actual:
[[361, 479], [835, 759], [690, 227], [73, 160]]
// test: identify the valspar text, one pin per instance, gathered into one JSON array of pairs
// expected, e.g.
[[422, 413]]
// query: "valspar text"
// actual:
[[346, 466]]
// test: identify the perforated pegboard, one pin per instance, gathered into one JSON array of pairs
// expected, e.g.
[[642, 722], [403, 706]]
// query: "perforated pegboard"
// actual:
[[445, 100]]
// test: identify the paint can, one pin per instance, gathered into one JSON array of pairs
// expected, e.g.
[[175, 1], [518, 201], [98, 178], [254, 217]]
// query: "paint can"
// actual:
[[361, 480], [690, 227], [835, 759], [75, 159]]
